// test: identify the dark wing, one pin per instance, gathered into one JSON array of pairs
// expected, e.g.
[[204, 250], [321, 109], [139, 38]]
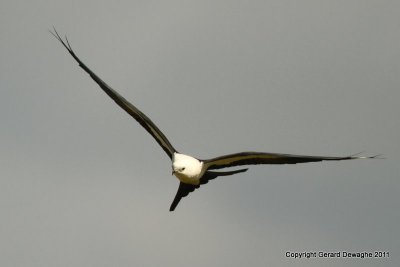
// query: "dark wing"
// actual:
[[185, 189], [150, 127], [251, 158]]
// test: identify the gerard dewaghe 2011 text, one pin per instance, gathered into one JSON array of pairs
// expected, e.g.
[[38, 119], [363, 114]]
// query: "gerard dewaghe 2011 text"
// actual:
[[337, 254]]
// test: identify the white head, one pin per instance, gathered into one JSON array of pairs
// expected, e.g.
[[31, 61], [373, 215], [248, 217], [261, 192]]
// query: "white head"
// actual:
[[186, 168]]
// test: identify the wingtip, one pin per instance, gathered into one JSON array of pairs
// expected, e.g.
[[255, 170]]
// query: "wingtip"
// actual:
[[356, 156], [65, 43], [378, 156]]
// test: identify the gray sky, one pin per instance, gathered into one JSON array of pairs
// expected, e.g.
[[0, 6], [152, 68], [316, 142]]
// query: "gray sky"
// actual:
[[82, 184]]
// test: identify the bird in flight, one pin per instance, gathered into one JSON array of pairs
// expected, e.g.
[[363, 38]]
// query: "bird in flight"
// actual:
[[190, 171]]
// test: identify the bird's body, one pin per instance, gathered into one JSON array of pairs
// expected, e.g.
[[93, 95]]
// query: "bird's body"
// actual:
[[187, 169], [190, 171]]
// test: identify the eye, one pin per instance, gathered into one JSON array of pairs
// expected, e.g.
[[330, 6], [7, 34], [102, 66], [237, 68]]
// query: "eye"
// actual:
[[182, 169]]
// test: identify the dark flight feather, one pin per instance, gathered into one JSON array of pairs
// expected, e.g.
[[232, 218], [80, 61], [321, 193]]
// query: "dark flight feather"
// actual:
[[139, 116]]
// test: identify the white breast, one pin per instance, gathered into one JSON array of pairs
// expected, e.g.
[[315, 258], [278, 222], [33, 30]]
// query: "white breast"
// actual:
[[187, 169]]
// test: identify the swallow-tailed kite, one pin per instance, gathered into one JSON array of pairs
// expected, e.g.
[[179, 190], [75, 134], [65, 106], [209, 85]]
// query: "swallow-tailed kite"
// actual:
[[193, 172]]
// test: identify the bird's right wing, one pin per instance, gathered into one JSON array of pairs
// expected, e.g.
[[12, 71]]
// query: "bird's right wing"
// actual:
[[139, 116]]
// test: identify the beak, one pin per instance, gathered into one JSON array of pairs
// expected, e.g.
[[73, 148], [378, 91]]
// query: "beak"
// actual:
[[173, 172]]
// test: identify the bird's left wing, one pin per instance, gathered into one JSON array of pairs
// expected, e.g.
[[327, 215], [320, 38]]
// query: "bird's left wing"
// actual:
[[251, 158], [139, 116]]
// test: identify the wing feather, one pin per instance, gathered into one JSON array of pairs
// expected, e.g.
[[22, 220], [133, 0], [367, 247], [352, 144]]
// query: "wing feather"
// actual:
[[253, 158], [139, 116]]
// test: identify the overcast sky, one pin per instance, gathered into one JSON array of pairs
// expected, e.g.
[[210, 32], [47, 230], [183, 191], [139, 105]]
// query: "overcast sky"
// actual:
[[82, 184]]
